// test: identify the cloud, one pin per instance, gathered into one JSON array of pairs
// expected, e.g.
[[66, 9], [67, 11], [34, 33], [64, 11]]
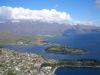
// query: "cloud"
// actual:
[[20, 13]]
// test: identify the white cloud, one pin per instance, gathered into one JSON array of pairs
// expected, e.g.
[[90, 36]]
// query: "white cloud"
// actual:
[[19, 13]]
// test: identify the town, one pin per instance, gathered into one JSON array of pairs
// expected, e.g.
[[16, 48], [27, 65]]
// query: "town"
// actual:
[[22, 63]]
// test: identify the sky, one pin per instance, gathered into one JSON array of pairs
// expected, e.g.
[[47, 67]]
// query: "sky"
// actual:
[[76, 11]]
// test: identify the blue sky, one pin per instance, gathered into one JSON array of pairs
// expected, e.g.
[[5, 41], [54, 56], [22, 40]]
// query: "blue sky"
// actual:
[[83, 10]]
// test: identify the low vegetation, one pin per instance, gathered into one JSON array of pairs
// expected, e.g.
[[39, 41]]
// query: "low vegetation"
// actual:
[[74, 63], [64, 50]]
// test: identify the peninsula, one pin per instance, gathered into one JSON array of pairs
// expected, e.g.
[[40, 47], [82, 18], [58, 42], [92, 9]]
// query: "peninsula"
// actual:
[[64, 50], [22, 63]]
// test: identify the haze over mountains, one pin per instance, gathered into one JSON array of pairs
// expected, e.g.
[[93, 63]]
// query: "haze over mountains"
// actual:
[[37, 27]]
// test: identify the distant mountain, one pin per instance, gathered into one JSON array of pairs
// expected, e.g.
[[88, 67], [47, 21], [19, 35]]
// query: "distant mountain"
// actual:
[[36, 27], [81, 29], [28, 27]]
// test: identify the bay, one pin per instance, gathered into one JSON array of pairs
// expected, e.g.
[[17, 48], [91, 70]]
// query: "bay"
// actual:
[[89, 42], [77, 71]]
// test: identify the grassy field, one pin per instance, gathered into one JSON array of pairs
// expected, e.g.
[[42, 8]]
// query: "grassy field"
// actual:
[[11, 38]]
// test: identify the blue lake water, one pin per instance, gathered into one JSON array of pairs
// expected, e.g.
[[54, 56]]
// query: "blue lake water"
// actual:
[[77, 71], [90, 42]]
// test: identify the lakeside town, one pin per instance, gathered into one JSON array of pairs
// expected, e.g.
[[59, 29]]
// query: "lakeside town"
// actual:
[[49, 37], [22, 63]]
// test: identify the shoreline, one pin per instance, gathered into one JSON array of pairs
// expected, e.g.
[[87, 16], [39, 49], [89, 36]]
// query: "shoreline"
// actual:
[[39, 61], [73, 67], [55, 70], [54, 64]]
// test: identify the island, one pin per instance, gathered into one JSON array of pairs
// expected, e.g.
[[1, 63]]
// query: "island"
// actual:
[[24, 63], [64, 49]]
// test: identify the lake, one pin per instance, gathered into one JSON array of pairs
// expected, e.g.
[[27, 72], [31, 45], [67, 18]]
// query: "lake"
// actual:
[[90, 42], [77, 71]]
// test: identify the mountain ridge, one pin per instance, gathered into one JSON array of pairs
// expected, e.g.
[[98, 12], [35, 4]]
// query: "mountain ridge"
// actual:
[[44, 28]]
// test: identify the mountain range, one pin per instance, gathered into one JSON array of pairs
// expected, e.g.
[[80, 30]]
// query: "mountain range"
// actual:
[[44, 28]]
